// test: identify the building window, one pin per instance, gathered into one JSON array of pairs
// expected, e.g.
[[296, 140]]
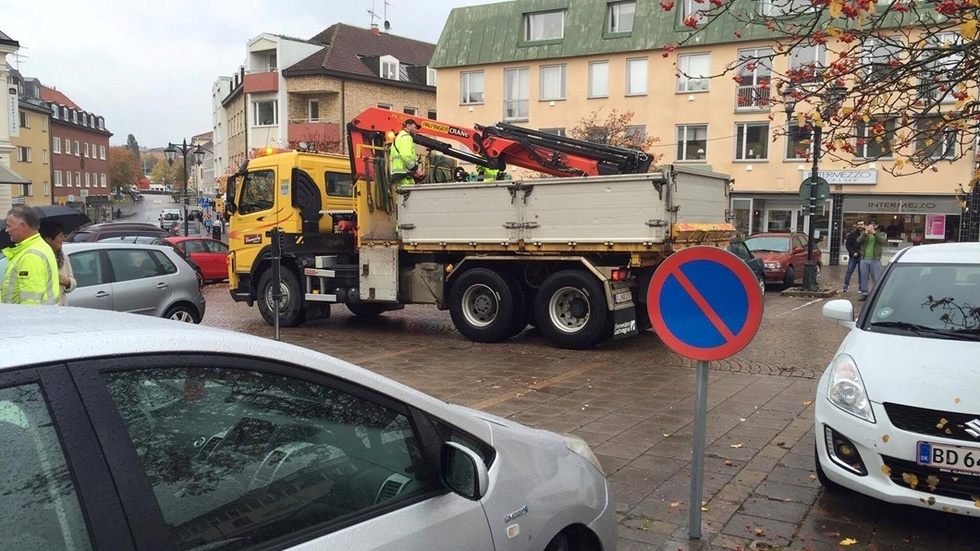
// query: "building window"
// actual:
[[548, 25], [410, 111], [935, 139], [552, 82], [78, 150], [636, 134], [74, 116], [751, 141], [636, 77], [88, 180], [44, 124], [86, 151], [313, 109], [56, 145], [554, 131], [64, 113], [57, 179], [25, 119], [430, 76], [754, 78], [101, 123], [621, 17], [102, 180], [943, 59], [879, 57], [692, 142], [781, 8], [384, 106], [599, 79], [27, 190], [271, 62], [799, 142], [102, 152], [44, 156], [54, 111], [266, 112], [431, 113], [23, 154], [516, 93], [78, 179], [46, 187], [471, 87], [693, 71], [874, 138], [806, 63], [693, 9], [389, 67]]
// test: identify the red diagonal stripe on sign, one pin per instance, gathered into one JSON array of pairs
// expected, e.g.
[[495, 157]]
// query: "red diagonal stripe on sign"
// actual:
[[713, 317]]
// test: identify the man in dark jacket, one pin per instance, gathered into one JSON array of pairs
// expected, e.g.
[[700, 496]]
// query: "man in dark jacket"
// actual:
[[853, 253]]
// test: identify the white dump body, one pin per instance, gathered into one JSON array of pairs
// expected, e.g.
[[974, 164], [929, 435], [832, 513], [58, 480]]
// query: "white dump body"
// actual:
[[598, 210]]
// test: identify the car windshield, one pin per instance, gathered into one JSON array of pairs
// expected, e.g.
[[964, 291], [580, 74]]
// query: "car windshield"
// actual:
[[768, 244], [929, 300]]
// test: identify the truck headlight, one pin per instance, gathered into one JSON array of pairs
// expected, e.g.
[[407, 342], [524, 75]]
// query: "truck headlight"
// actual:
[[846, 388], [580, 447]]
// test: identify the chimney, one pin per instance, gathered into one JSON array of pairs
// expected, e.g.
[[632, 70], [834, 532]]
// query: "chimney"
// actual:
[[374, 29]]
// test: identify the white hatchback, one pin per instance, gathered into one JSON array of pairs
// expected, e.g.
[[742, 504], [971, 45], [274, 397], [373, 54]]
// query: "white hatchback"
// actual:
[[898, 410], [130, 432]]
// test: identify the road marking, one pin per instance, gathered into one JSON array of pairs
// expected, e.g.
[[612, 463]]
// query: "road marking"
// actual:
[[544, 383], [804, 305]]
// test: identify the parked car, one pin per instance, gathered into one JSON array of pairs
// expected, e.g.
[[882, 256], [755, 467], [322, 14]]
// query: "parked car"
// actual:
[[143, 279], [741, 250], [897, 416], [157, 239], [169, 217], [200, 438], [106, 230], [783, 255], [210, 254]]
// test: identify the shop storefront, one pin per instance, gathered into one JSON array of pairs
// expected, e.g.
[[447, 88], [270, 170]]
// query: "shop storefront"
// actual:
[[908, 220]]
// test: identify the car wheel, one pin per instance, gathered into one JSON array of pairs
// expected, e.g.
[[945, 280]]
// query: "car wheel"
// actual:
[[827, 483], [816, 274], [481, 305], [762, 284], [559, 543], [790, 278], [291, 304], [182, 313], [570, 309]]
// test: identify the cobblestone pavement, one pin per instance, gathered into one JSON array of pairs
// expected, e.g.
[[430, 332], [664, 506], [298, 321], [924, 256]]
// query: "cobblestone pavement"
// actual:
[[633, 401]]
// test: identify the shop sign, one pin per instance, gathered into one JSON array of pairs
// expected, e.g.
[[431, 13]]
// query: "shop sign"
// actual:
[[846, 177], [935, 226], [901, 205], [13, 112]]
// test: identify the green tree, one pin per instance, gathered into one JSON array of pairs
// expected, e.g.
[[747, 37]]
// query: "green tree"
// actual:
[[617, 129], [134, 146], [172, 174], [124, 169]]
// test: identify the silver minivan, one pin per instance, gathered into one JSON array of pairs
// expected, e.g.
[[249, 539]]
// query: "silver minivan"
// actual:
[[141, 279], [169, 217]]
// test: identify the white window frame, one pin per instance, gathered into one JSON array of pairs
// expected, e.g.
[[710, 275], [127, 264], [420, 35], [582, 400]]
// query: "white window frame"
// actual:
[[813, 55], [257, 104], [517, 107], [862, 131], [468, 82], [56, 145], [794, 135], [86, 150], [637, 86], [686, 81], [617, 21], [599, 79], [388, 67], [743, 152], [683, 140], [57, 179], [549, 72], [536, 24], [46, 188], [74, 116], [311, 106], [693, 8], [44, 156], [102, 152], [78, 179], [784, 8], [102, 180], [430, 76], [413, 111], [876, 55], [88, 180], [949, 64], [44, 124], [755, 68], [23, 154], [78, 149], [946, 147], [385, 106], [25, 119]]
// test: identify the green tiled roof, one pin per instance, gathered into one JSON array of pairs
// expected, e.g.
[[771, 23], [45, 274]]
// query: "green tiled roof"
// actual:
[[493, 33]]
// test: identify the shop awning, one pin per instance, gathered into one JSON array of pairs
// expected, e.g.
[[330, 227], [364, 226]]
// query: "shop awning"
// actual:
[[8, 176]]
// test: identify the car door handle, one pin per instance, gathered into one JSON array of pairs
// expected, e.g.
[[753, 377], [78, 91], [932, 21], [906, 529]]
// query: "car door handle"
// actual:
[[101, 294], [162, 285]]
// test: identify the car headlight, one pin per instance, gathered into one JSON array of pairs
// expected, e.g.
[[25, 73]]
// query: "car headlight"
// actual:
[[772, 265], [846, 388], [581, 448]]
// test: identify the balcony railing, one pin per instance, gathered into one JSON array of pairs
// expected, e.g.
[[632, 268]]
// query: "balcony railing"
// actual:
[[753, 97]]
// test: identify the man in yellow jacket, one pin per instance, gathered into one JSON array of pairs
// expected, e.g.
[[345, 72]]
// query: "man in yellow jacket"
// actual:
[[404, 163], [31, 276]]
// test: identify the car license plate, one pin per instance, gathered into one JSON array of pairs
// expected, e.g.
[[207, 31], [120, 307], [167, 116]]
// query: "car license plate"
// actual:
[[955, 458]]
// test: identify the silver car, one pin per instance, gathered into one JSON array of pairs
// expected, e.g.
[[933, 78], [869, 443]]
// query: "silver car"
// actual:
[[137, 278], [184, 437]]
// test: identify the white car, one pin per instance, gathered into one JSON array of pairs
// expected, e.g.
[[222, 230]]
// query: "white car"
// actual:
[[898, 410], [131, 432]]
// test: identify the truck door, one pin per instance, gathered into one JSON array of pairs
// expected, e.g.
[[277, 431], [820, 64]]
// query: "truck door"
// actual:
[[254, 216]]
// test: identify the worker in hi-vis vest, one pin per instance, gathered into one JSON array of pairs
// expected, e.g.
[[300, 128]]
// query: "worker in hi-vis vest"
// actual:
[[404, 164]]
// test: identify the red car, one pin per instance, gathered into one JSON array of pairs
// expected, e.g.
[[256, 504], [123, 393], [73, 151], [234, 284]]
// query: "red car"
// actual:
[[210, 254], [783, 256]]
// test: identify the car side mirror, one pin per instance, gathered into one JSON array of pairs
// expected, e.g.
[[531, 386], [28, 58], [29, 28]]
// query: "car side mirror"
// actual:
[[463, 471], [230, 208], [840, 311]]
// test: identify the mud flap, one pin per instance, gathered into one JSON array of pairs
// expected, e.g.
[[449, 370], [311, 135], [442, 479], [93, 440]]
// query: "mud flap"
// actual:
[[624, 322]]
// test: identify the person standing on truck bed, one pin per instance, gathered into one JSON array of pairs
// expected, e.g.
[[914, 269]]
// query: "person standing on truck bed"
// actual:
[[404, 164]]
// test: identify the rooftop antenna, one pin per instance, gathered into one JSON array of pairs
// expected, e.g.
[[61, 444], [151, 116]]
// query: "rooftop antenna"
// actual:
[[373, 14]]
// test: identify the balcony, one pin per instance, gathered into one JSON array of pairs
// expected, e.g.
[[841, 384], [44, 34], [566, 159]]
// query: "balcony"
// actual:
[[317, 133], [753, 98], [261, 82]]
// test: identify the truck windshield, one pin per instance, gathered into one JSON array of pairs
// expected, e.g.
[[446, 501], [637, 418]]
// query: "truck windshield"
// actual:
[[258, 191], [938, 301]]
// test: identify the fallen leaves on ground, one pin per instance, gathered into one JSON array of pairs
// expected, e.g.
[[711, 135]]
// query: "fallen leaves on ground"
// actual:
[[736, 446], [848, 541]]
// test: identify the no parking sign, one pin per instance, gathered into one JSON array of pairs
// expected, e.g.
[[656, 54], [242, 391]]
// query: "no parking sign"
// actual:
[[704, 303]]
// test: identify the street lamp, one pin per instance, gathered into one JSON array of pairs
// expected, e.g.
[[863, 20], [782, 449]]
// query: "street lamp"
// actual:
[[171, 154], [833, 96]]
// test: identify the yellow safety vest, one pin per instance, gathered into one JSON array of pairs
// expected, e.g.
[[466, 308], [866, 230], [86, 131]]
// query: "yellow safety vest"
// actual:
[[31, 276], [402, 155]]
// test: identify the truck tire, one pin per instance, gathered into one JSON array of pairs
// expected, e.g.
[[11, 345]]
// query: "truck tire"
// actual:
[[291, 308], [481, 304], [570, 309]]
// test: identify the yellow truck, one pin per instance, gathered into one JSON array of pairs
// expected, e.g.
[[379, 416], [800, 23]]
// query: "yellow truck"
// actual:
[[571, 254]]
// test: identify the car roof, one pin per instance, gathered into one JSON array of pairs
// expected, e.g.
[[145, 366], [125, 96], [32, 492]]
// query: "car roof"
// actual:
[[772, 234], [35, 335], [940, 253], [90, 245], [118, 226]]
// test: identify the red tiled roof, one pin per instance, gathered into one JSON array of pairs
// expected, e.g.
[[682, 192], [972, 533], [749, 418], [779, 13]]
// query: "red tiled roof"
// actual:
[[50, 94], [347, 45]]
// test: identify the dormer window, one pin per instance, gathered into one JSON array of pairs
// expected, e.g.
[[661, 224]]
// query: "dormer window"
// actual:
[[389, 67], [621, 17], [548, 25], [74, 116], [54, 111]]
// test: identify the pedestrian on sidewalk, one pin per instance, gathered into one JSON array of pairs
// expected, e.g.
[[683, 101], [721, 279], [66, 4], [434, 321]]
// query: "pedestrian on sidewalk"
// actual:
[[207, 224], [853, 253], [871, 242]]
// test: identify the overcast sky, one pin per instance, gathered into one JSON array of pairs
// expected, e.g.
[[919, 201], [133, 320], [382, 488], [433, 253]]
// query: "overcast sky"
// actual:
[[148, 67]]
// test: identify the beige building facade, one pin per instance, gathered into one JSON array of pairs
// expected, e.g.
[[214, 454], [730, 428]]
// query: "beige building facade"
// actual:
[[713, 123], [31, 158]]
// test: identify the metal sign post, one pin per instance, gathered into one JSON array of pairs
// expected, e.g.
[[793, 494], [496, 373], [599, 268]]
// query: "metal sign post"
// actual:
[[705, 304]]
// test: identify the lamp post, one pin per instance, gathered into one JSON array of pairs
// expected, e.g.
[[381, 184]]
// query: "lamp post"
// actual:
[[834, 95], [171, 154]]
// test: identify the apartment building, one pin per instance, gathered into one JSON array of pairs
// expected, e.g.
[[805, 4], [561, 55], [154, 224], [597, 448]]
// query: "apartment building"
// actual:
[[79, 162], [547, 64], [291, 90], [31, 158], [9, 125]]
